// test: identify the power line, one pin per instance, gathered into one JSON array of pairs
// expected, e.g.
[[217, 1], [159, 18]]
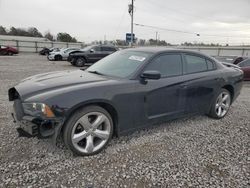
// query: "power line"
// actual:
[[187, 32], [166, 18], [190, 14], [119, 25], [181, 12], [165, 29]]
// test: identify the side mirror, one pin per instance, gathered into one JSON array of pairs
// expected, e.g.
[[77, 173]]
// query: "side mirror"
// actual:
[[92, 50], [151, 75]]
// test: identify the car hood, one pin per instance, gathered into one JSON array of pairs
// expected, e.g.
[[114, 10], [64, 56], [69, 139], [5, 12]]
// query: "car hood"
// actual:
[[11, 48], [55, 52], [55, 80]]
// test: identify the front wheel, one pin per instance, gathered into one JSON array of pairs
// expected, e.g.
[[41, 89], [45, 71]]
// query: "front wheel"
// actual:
[[88, 131], [58, 58], [221, 105]]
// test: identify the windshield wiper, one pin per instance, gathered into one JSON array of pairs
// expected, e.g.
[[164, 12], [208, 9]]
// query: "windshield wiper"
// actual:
[[96, 72]]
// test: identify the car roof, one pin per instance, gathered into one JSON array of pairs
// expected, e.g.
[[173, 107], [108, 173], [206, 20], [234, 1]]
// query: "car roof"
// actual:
[[156, 50], [71, 48]]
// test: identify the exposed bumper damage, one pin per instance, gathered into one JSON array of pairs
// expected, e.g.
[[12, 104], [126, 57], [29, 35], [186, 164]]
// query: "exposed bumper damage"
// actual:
[[29, 126], [32, 127]]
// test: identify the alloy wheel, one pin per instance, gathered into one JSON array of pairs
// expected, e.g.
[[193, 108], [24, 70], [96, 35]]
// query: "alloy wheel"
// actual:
[[79, 62], [91, 132], [222, 104]]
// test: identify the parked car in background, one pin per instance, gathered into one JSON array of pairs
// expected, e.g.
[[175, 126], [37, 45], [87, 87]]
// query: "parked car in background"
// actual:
[[7, 50], [90, 54], [245, 67], [62, 54], [230, 59], [123, 92], [46, 51]]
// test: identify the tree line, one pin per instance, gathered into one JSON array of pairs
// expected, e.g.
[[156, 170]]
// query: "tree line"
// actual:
[[154, 42], [34, 32]]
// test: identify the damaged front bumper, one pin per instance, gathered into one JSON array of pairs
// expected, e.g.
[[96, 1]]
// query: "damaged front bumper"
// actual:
[[33, 126], [30, 126]]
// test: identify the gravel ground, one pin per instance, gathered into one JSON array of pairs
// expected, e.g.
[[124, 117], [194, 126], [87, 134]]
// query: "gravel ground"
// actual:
[[191, 152]]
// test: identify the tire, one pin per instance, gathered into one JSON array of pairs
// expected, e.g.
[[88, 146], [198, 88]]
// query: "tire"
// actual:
[[58, 58], [221, 104], [80, 62], [5, 53], [88, 131], [10, 53]]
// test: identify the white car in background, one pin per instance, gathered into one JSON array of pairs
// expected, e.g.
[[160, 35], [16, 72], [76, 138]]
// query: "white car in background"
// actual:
[[62, 54]]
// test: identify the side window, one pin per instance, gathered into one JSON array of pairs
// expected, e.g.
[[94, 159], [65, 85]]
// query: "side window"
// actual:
[[104, 48], [111, 49], [195, 64], [108, 49], [245, 63], [167, 65], [210, 65], [97, 48]]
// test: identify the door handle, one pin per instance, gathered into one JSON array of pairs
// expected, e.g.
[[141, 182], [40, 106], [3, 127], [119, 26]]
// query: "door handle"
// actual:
[[183, 86]]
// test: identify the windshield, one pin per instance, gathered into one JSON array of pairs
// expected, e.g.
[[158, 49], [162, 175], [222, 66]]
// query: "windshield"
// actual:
[[120, 64], [87, 48]]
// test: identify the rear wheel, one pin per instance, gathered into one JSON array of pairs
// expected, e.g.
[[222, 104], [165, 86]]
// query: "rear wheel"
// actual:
[[88, 131], [80, 62], [221, 104]]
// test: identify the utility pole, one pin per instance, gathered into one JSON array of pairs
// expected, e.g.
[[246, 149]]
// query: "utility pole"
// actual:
[[131, 12], [156, 36]]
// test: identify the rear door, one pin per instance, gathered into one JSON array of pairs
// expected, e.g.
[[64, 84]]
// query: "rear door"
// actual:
[[201, 82]]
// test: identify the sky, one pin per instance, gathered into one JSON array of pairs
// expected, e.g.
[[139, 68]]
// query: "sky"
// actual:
[[217, 21]]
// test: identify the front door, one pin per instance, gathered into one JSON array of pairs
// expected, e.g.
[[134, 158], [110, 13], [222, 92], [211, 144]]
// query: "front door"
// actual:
[[95, 54], [162, 98]]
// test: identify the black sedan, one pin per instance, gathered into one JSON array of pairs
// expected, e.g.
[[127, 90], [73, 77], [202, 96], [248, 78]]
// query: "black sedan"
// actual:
[[126, 91], [90, 54]]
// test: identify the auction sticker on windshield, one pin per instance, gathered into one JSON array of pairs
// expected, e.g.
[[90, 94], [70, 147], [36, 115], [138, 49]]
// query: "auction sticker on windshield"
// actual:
[[137, 58]]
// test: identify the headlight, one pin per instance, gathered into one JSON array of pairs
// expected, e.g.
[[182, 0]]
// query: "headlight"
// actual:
[[38, 110]]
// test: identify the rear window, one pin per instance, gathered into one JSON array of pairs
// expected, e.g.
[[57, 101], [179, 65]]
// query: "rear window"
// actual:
[[210, 65], [195, 64]]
